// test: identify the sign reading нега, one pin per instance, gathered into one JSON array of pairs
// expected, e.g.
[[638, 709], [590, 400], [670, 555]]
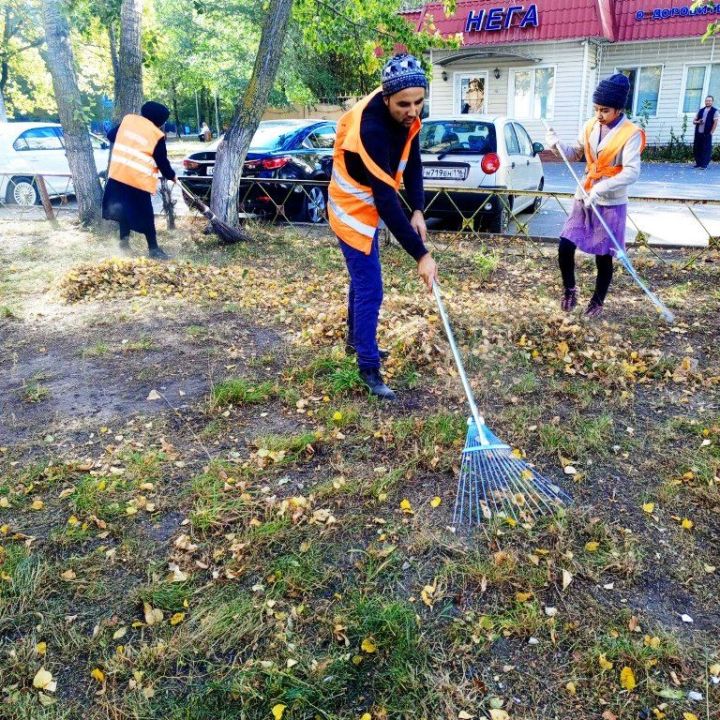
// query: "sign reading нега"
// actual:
[[500, 18]]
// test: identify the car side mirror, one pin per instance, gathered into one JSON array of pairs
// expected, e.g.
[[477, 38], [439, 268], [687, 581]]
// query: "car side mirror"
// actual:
[[538, 148]]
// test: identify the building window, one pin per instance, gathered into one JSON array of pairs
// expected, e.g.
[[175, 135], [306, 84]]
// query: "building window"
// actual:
[[700, 81], [470, 92], [532, 93], [644, 89]]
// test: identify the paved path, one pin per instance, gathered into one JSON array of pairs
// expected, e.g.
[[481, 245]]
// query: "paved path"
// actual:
[[664, 224]]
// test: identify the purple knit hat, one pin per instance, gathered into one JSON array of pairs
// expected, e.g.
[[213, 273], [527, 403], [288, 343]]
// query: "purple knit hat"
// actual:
[[612, 92]]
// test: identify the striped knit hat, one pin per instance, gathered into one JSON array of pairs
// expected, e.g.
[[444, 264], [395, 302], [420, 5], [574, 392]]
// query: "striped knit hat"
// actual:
[[401, 72]]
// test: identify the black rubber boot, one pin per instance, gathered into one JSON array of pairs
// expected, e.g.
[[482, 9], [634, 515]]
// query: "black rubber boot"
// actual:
[[350, 350], [124, 245], [375, 384], [157, 253]]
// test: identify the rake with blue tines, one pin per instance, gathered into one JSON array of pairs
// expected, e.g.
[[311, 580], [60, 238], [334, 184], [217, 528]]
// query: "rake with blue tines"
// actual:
[[494, 480]]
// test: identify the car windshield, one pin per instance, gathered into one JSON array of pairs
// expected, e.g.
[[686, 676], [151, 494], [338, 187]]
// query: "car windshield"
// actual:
[[457, 136], [271, 136]]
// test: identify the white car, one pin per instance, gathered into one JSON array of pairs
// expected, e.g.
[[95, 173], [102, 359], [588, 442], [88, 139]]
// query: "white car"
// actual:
[[479, 151], [33, 148]]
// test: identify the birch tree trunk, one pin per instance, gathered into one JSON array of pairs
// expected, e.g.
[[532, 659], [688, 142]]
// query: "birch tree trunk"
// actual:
[[232, 152], [67, 95], [128, 81]]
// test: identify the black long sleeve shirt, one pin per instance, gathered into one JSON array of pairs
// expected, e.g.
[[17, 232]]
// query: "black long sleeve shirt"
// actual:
[[384, 140], [159, 154]]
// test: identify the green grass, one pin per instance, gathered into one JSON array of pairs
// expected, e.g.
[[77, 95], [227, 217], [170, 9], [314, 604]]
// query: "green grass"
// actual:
[[237, 391], [99, 349], [143, 344], [35, 392]]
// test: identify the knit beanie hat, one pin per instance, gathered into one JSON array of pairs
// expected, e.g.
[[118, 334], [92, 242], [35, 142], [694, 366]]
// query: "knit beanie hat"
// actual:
[[401, 72], [612, 92], [155, 112]]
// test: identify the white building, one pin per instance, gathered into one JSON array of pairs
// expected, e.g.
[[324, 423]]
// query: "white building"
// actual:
[[544, 59]]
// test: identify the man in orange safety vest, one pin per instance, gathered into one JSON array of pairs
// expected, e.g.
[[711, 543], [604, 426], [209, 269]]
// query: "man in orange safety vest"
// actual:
[[377, 148]]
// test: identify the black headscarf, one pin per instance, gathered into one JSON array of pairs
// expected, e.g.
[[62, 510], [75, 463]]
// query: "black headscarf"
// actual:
[[155, 112]]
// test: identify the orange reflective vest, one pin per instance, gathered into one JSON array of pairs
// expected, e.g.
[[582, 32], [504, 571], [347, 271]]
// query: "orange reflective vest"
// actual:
[[601, 166], [132, 161], [351, 207]]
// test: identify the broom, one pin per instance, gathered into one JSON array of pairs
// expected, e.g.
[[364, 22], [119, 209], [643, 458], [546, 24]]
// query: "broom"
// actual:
[[494, 480], [227, 233], [621, 255]]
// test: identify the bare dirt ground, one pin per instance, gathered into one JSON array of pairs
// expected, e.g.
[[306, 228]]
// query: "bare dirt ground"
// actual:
[[202, 515]]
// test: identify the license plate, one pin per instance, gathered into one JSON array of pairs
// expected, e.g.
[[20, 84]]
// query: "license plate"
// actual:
[[444, 173], [210, 169]]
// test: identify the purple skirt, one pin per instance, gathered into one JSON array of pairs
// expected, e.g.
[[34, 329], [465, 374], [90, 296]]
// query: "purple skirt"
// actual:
[[584, 229]]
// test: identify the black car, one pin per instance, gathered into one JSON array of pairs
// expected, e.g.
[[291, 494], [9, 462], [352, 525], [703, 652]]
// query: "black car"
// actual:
[[280, 149]]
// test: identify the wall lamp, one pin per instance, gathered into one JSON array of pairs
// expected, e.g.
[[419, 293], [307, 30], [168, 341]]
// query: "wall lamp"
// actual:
[[496, 73], [444, 75]]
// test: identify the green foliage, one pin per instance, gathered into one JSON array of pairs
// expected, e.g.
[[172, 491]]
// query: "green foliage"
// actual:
[[237, 391]]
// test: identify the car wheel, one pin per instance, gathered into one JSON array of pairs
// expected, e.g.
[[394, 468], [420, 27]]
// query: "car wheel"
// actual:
[[315, 206], [499, 220], [22, 191]]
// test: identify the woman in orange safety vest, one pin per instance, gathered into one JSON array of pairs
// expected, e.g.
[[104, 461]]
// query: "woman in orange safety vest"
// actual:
[[611, 145], [138, 156]]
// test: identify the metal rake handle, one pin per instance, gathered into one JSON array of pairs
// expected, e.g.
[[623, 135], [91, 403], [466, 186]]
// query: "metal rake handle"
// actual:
[[479, 419], [622, 255]]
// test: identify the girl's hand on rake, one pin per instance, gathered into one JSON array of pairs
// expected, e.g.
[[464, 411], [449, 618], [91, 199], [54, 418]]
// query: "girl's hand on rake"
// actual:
[[591, 197], [427, 269]]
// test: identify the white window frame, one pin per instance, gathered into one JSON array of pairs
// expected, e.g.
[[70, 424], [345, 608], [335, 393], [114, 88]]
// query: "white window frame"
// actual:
[[706, 85], [511, 90], [631, 66], [458, 77]]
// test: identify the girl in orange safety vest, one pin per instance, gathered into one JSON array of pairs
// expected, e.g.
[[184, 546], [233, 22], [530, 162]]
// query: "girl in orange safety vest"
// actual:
[[611, 146]]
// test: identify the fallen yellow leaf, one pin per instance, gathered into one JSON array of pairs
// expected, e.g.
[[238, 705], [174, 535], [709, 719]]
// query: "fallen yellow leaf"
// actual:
[[366, 716], [592, 546], [604, 663], [4, 502], [715, 669], [278, 710], [435, 502], [406, 507], [68, 575], [498, 715], [98, 674], [522, 597], [337, 416], [689, 716], [627, 679], [687, 524], [37, 505], [43, 680], [368, 645], [570, 687], [648, 508], [41, 648], [177, 618], [152, 615]]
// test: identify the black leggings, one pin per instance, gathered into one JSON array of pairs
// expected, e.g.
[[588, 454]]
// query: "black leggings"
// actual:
[[604, 263], [150, 236]]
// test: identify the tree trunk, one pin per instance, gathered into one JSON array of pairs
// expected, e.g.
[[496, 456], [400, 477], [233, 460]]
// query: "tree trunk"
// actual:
[[129, 88], [231, 154], [3, 113], [67, 94], [176, 112], [115, 62]]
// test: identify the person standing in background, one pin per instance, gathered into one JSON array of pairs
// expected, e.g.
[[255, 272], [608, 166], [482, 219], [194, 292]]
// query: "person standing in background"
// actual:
[[705, 123]]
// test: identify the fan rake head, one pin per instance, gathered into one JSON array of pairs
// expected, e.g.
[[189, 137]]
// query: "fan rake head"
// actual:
[[496, 482]]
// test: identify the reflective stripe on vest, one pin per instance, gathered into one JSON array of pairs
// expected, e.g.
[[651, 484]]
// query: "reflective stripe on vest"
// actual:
[[602, 166], [351, 206], [132, 162]]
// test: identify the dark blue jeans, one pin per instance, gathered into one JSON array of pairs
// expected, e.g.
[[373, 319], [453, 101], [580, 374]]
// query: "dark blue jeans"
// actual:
[[364, 300]]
